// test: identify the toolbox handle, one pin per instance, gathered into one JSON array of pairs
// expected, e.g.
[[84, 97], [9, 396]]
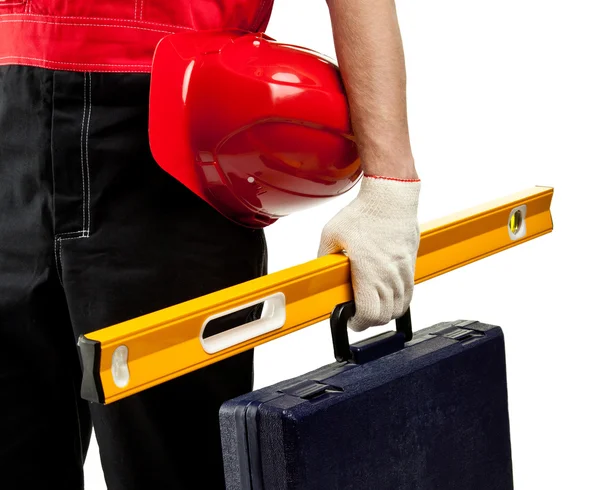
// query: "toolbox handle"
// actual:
[[372, 348]]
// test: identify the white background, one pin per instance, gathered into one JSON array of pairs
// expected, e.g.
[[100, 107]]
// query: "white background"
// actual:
[[502, 96]]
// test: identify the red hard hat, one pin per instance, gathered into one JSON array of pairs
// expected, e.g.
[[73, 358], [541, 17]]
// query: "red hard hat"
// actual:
[[257, 128]]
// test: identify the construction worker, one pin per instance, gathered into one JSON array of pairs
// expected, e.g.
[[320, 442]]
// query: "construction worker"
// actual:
[[93, 232]]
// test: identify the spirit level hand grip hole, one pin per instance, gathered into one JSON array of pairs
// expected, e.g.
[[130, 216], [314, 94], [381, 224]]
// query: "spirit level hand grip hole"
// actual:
[[119, 366], [272, 318]]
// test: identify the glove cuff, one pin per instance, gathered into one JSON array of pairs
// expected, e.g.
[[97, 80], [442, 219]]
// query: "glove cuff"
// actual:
[[394, 179], [388, 197]]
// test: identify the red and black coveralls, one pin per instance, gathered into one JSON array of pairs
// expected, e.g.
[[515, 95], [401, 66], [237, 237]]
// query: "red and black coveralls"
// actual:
[[92, 233]]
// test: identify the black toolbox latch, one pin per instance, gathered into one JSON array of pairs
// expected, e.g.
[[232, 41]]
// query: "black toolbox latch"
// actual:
[[460, 331], [309, 389]]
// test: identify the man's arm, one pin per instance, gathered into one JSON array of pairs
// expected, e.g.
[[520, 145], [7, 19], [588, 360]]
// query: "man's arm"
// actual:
[[378, 230], [370, 56]]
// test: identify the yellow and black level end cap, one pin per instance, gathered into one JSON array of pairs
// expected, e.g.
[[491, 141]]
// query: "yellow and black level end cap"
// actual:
[[91, 385]]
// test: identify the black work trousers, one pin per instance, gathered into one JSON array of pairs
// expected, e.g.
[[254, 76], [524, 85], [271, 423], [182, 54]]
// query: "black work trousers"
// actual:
[[93, 232]]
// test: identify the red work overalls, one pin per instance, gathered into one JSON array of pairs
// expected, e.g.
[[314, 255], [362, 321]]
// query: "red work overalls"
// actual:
[[111, 35]]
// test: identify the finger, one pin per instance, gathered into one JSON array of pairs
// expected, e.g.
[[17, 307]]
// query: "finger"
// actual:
[[374, 306], [330, 244], [403, 289], [358, 324], [400, 294], [328, 247], [366, 300], [386, 307]]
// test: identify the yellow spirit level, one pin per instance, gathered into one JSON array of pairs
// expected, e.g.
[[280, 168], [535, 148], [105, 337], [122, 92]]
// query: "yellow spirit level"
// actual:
[[126, 358]]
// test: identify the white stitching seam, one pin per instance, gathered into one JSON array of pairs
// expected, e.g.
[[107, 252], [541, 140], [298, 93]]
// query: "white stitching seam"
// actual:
[[141, 10], [13, 21], [58, 247], [135, 9], [85, 174], [87, 152], [101, 18], [56, 242], [82, 149], [71, 63], [66, 63]]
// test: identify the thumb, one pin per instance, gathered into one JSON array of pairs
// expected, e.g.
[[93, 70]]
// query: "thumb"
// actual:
[[329, 244]]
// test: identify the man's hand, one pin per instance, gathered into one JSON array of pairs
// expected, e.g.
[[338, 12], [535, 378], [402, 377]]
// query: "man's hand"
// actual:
[[380, 233], [379, 230]]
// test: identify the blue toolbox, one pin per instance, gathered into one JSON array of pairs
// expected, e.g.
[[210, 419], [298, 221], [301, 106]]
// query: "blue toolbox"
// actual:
[[394, 412]]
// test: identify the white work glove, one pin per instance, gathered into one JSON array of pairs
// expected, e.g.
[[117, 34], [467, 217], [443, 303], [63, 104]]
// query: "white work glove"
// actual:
[[379, 232]]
